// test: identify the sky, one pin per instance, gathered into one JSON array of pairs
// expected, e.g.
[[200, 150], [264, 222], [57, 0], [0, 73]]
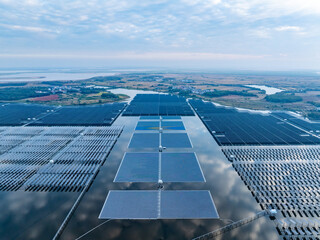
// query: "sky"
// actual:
[[208, 34]]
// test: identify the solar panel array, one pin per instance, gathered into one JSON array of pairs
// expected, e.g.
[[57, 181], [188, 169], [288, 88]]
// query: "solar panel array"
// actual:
[[162, 132], [18, 114], [160, 117], [159, 167], [155, 125], [145, 140], [152, 204], [286, 179], [313, 127], [148, 125], [278, 158], [272, 153], [231, 127], [152, 167], [53, 158], [44, 115], [98, 115], [158, 104]]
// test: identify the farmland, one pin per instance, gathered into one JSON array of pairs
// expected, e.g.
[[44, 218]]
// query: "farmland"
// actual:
[[227, 89]]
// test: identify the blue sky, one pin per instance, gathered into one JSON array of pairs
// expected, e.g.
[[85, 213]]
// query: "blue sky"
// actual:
[[211, 34]]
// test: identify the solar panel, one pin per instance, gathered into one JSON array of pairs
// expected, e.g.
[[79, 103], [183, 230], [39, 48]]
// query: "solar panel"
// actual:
[[97, 115], [180, 167], [53, 159], [309, 126], [171, 117], [130, 205], [149, 117], [144, 140], [18, 114], [292, 170], [231, 127], [145, 167], [158, 104], [176, 140], [133, 204], [172, 125], [187, 205], [139, 167], [148, 125]]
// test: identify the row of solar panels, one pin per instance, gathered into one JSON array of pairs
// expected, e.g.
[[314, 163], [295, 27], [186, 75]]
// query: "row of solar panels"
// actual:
[[283, 178], [152, 167], [50, 159], [266, 153], [158, 166], [313, 127], [231, 127], [158, 104], [43, 115], [153, 140], [160, 118], [156, 125], [293, 227], [156, 204]]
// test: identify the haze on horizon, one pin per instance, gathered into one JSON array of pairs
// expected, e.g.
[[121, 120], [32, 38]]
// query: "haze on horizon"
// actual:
[[227, 34]]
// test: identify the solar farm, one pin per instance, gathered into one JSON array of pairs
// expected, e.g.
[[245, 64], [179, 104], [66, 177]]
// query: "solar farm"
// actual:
[[286, 179], [19, 114], [158, 104], [53, 159], [153, 169], [231, 127], [41, 115], [160, 167], [312, 127], [277, 157]]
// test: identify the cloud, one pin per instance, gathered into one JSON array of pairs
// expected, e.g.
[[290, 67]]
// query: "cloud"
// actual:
[[261, 32], [275, 8], [30, 3], [83, 18], [119, 28], [199, 29], [288, 28], [264, 32], [141, 56], [257, 9], [204, 2], [28, 28]]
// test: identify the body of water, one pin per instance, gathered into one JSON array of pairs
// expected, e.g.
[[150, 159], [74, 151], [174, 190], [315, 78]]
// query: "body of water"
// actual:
[[38, 215], [49, 76], [269, 90], [130, 92], [232, 198]]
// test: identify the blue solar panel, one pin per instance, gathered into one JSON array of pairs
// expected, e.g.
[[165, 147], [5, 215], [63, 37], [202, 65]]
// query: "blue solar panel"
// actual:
[[176, 140], [180, 167], [149, 117], [144, 167], [158, 105], [139, 167], [172, 125], [148, 125], [130, 204], [144, 140], [309, 126], [18, 114], [95, 115], [171, 117], [231, 127], [187, 205]]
